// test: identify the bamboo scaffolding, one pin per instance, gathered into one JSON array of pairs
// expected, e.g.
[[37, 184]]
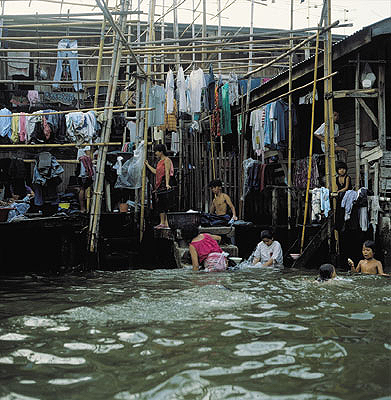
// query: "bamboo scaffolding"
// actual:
[[113, 108], [115, 27], [99, 67], [54, 145], [292, 91], [99, 181], [311, 142], [293, 49], [289, 194], [331, 126], [147, 86]]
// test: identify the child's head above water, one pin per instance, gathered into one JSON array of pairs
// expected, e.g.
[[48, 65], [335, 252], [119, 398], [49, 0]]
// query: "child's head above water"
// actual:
[[368, 249], [326, 272], [189, 232]]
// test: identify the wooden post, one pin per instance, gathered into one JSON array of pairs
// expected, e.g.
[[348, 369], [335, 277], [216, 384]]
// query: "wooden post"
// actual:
[[274, 207], [381, 104], [357, 127], [331, 127], [147, 87]]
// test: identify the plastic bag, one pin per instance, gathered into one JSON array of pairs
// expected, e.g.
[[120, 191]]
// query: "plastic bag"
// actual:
[[132, 170]]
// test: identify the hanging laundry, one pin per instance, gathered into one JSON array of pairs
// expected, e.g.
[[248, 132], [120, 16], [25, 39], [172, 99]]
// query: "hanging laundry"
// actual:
[[348, 201], [362, 204], [170, 121], [233, 89], [301, 173], [67, 50], [22, 128], [225, 111], [158, 134], [81, 127], [33, 97], [18, 63], [215, 128], [210, 89], [256, 123], [175, 142], [170, 91], [196, 84], [280, 113], [181, 88], [316, 214], [268, 126], [15, 128], [131, 125], [374, 208], [157, 99], [5, 123], [307, 99]]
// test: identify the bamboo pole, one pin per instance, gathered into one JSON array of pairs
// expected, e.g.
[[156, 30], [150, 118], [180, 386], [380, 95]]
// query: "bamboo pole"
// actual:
[[152, 5], [59, 24], [292, 91], [99, 181], [290, 128], [311, 142], [119, 31], [293, 49], [99, 68], [19, 146], [114, 109]]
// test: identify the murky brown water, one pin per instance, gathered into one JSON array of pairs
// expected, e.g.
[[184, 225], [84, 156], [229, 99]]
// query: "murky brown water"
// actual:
[[183, 335]]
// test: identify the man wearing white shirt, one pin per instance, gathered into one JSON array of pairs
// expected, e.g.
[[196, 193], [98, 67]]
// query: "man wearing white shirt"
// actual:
[[319, 134]]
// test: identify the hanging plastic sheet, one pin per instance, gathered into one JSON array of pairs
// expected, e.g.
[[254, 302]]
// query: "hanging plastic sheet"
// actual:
[[130, 176]]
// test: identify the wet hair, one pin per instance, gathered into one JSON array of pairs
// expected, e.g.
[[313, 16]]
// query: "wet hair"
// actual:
[[215, 183], [341, 164], [326, 271], [370, 244], [189, 232], [161, 147], [267, 234]]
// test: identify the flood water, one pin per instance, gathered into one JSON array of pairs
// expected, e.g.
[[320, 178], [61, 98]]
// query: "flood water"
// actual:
[[170, 334]]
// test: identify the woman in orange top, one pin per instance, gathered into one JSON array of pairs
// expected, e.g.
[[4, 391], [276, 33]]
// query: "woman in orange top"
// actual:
[[164, 177]]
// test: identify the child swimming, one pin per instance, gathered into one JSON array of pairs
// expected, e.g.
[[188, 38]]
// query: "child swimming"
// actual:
[[326, 272], [369, 265]]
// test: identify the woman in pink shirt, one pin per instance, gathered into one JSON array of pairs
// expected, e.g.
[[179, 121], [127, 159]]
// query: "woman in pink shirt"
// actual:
[[204, 250]]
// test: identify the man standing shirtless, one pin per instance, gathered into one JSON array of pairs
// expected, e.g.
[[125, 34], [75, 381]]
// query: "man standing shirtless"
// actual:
[[221, 200]]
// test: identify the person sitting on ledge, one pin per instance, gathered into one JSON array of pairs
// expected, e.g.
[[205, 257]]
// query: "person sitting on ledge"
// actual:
[[219, 208]]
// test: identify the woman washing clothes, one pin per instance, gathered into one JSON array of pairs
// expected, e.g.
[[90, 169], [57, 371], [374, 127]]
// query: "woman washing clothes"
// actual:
[[164, 182], [204, 250]]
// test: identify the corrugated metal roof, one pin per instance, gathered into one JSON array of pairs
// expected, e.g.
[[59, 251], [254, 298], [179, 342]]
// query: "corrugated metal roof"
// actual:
[[377, 29]]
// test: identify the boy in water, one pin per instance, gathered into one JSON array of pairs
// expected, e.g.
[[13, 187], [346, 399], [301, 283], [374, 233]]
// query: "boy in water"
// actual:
[[369, 265], [221, 200], [326, 272]]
